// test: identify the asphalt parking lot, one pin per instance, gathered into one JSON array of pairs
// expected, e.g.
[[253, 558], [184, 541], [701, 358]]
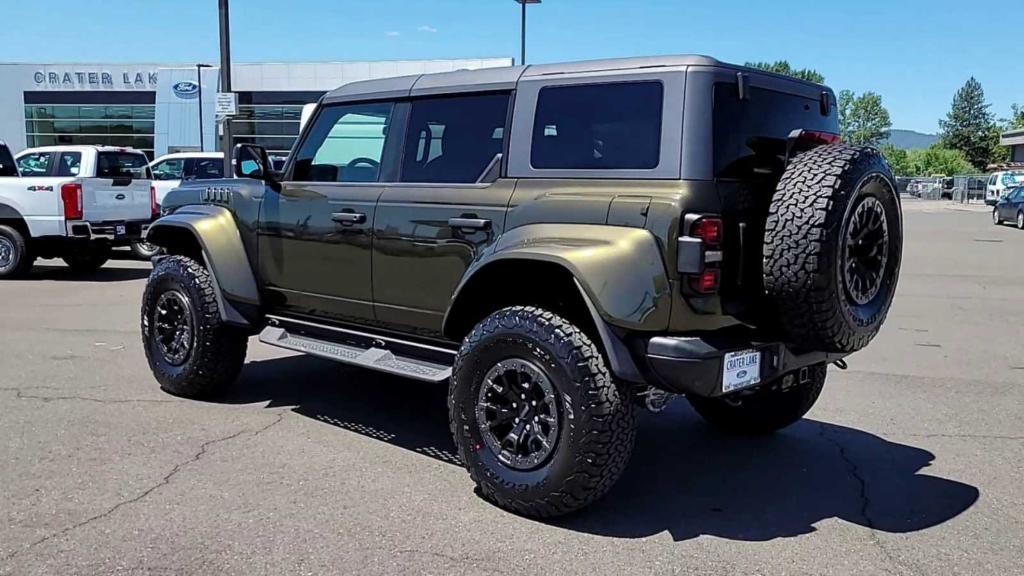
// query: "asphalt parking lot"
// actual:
[[910, 463]]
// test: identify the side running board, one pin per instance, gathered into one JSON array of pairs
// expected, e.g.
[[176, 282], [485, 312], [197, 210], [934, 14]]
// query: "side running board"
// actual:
[[373, 358]]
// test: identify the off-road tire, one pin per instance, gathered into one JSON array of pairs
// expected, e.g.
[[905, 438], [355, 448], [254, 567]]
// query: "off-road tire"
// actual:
[[765, 410], [805, 241], [145, 251], [217, 350], [598, 422], [87, 259], [21, 259], [996, 218]]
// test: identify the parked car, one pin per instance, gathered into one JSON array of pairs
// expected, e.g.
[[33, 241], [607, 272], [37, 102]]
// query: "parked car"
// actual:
[[548, 241], [999, 183], [73, 203], [170, 170], [1010, 208]]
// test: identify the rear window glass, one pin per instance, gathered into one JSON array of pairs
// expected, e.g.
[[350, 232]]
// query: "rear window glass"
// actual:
[[750, 135], [121, 165], [70, 164], [1013, 179], [598, 127]]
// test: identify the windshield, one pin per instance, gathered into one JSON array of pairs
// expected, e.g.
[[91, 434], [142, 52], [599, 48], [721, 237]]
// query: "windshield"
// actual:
[[122, 164], [1013, 178]]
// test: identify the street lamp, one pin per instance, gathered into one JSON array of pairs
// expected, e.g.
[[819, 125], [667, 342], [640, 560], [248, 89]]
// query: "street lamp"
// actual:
[[522, 44], [225, 78], [199, 82]]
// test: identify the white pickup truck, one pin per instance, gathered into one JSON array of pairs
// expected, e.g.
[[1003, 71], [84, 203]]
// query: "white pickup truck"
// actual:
[[73, 203]]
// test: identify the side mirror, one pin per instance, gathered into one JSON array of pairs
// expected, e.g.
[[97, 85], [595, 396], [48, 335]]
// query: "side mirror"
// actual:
[[252, 161]]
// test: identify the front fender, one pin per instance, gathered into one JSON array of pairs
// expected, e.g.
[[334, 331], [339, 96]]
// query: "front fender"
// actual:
[[215, 230], [620, 269]]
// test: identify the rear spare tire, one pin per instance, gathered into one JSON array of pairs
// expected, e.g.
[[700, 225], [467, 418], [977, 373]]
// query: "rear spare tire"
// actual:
[[833, 245]]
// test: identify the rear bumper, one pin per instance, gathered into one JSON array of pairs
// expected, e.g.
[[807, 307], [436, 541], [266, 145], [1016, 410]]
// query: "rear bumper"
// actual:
[[116, 232], [694, 364]]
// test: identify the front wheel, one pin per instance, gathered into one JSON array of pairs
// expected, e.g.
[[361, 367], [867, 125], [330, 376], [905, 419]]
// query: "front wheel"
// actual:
[[1020, 220], [996, 219], [191, 351], [537, 419], [774, 406]]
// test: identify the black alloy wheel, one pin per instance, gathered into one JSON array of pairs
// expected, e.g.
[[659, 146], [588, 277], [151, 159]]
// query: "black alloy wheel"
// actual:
[[174, 327], [517, 412], [866, 251]]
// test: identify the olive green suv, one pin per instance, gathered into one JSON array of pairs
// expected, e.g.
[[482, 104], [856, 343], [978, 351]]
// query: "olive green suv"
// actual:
[[563, 244]]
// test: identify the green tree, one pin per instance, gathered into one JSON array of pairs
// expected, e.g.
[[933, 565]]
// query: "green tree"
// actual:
[[863, 119], [897, 159], [969, 126], [783, 67], [936, 160], [1016, 119]]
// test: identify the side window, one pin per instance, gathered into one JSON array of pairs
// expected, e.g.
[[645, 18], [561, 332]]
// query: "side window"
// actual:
[[992, 180], [208, 168], [598, 126], [170, 169], [345, 144], [454, 139], [70, 164], [35, 164]]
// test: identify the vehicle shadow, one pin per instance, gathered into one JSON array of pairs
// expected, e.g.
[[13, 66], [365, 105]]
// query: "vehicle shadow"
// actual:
[[112, 271], [684, 478]]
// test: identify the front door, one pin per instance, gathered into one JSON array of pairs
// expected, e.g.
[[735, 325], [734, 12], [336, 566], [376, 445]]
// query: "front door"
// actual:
[[446, 209], [315, 234]]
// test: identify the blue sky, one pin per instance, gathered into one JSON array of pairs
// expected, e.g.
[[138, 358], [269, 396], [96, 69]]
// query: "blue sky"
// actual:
[[915, 53]]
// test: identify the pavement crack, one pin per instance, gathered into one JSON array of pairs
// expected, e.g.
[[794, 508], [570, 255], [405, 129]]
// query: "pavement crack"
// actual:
[[164, 481], [865, 499], [21, 395], [968, 436]]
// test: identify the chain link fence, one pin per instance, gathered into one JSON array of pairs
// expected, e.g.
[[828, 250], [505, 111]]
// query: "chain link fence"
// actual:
[[963, 188]]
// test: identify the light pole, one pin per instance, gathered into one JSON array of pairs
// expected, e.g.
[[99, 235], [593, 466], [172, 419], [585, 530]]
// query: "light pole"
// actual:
[[522, 29], [225, 79], [199, 82]]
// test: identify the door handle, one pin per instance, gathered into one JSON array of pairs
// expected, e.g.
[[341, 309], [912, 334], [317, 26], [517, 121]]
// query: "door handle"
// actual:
[[348, 217], [470, 223]]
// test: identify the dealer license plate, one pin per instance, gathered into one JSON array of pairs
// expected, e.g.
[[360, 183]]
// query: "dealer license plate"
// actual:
[[740, 370]]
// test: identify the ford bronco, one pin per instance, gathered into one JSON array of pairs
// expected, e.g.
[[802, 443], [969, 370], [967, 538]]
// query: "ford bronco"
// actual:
[[563, 244]]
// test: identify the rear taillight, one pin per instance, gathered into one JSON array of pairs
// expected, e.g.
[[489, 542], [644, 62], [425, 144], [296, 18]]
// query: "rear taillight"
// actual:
[[700, 255], [153, 208], [709, 230], [816, 138], [71, 196]]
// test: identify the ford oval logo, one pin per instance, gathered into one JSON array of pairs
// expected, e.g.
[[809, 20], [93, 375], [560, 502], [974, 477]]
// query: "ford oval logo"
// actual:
[[741, 374], [185, 89], [120, 197]]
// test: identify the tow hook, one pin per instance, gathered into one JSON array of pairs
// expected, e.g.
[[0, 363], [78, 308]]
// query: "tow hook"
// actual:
[[655, 399], [841, 364]]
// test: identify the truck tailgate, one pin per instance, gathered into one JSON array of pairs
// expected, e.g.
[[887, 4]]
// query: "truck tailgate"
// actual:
[[105, 200]]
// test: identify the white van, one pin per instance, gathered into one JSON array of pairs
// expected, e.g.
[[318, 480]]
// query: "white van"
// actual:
[[1000, 182]]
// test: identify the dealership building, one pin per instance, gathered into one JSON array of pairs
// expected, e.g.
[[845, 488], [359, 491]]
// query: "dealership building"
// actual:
[[161, 108]]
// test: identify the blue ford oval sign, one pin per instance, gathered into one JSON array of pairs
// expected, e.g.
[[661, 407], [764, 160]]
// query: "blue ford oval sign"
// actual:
[[185, 89], [741, 374]]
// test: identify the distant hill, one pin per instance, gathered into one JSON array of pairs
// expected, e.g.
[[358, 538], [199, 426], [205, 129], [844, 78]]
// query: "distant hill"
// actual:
[[908, 139]]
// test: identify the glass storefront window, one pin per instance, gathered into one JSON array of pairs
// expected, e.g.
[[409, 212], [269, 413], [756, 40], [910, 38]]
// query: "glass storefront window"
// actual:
[[70, 124]]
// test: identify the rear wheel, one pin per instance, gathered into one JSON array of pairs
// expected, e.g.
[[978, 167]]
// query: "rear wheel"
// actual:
[[538, 421], [144, 250], [772, 407], [190, 350], [88, 258], [15, 259]]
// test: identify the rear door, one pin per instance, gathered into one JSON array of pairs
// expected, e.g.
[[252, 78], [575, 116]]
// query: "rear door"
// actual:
[[446, 209], [120, 189]]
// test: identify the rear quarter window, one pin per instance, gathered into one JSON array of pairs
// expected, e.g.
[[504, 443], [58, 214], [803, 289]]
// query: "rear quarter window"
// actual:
[[750, 135], [613, 126]]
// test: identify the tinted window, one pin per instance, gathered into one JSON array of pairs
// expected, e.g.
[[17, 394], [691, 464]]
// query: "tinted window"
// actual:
[[345, 144], [7, 165], [208, 168], [170, 169], [750, 135], [70, 164], [454, 139], [599, 126], [122, 165], [35, 164], [1012, 179]]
